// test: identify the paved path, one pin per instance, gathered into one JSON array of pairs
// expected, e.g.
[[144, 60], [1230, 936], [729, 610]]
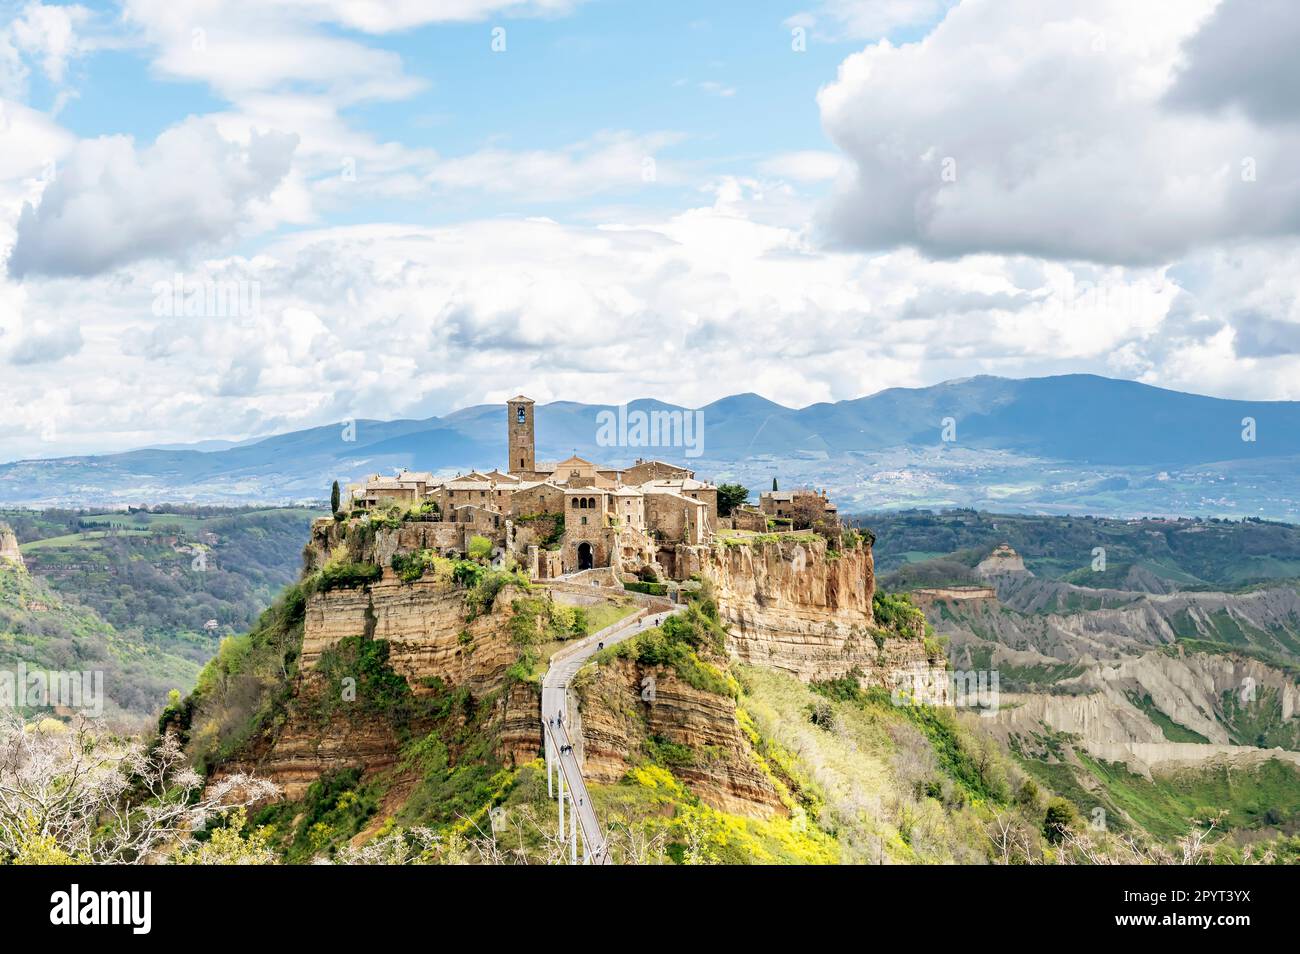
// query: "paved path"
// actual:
[[564, 666]]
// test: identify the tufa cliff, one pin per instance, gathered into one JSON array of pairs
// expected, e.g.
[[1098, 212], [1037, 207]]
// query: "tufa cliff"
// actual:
[[792, 604], [9, 552], [385, 653]]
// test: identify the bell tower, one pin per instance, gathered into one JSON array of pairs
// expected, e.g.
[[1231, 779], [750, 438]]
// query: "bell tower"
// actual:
[[519, 423]]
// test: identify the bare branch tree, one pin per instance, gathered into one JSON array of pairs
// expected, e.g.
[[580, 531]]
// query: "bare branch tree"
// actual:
[[83, 793]]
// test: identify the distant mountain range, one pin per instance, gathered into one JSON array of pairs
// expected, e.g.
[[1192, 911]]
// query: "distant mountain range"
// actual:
[[1091, 427]]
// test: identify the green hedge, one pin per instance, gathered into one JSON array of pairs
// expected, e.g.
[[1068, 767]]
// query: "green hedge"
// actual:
[[348, 576], [651, 589]]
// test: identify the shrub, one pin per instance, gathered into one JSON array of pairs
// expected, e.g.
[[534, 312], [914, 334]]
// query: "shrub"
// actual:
[[550, 527], [650, 589], [379, 690], [467, 574], [480, 549], [1059, 818], [894, 611], [347, 576], [409, 567]]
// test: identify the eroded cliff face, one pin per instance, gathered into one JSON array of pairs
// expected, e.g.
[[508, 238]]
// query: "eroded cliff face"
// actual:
[[9, 552], [785, 603], [367, 543], [791, 605], [426, 626], [617, 718], [434, 644]]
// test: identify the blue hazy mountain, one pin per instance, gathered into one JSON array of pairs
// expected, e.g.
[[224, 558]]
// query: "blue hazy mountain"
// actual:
[[1081, 420]]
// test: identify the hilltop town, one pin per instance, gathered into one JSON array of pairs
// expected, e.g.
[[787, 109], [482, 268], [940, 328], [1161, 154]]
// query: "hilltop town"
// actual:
[[651, 521]]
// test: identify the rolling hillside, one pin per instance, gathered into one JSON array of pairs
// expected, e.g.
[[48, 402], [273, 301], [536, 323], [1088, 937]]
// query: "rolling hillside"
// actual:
[[1075, 442]]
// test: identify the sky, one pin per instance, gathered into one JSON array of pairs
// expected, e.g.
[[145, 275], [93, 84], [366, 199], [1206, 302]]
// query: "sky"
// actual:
[[222, 219]]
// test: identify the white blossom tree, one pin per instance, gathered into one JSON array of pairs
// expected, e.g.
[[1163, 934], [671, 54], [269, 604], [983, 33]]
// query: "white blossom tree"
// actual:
[[80, 793]]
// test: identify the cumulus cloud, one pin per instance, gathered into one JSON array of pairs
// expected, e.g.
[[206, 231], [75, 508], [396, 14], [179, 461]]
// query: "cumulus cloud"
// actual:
[[31, 142], [387, 320], [49, 34], [1038, 127], [111, 203], [45, 342], [1244, 57]]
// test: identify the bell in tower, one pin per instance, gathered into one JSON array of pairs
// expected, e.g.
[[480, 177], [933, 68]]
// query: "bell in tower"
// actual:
[[520, 443]]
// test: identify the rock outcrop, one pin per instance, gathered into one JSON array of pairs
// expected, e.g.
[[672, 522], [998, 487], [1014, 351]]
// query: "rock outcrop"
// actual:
[[426, 628], [791, 605], [9, 552], [617, 718], [1001, 562], [785, 602]]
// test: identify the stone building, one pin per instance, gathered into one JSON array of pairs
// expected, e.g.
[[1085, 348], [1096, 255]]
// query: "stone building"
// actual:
[[571, 515], [644, 471], [802, 507]]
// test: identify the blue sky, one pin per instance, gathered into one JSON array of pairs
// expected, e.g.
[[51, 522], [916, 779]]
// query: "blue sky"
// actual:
[[723, 77], [630, 200]]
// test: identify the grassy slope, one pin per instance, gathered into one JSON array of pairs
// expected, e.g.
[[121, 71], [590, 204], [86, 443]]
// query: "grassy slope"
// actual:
[[43, 631], [1207, 554]]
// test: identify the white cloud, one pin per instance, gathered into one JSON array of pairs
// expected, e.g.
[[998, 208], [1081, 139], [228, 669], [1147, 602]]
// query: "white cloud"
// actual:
[[1069, 141], [389, 320], [241, 48], [607, 161], [867, 19], [809, 165], [49, 34], [390, 15], [714, 88], [45, 341], [1244, 57], [111, 203], [1041, 127]]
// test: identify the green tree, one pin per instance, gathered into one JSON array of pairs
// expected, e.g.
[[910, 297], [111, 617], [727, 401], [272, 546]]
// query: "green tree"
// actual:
[[334, 498], [480, 548], [731, 496], [1059, 819], [773, 485]]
